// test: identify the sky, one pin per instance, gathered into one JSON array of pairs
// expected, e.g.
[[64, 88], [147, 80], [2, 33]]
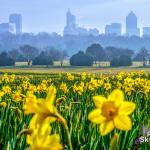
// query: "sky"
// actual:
[[50, 15]]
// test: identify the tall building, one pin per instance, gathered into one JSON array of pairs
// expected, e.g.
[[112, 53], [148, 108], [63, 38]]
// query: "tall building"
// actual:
[[131, 25], [113, 29], [71, 19], [12, 28], [16, 19], [4, 28], [72, 28], [146, 31]]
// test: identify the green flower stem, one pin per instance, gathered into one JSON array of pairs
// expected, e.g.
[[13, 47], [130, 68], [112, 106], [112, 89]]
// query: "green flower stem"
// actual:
[[63, 121]]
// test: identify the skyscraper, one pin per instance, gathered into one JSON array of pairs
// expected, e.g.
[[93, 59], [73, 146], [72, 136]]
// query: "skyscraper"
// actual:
[[146, 31], [114, 28], [71, 19], [131, 25], [72, 28], [16, 19]]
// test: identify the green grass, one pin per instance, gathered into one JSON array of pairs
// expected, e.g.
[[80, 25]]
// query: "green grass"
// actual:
[[53, 69]]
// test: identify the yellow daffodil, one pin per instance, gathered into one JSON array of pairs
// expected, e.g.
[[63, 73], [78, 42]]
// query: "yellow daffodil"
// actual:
[[1, 94], [6, 89], [107, 86], [17, 96], [70, 77], [5, 78], [12, 78], [40, 137], [3, 104], [83, 76], [79, 89], [112, 112], [63, 87], [42, 107]]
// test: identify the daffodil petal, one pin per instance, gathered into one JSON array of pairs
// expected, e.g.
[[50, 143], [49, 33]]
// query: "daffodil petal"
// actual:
[[126, 108], [45, 128], [51, 96], [117, 96], [106, 127], [98, 101], [54, 142], [123, 122], [30, 106], [32, 124], [96, 117]]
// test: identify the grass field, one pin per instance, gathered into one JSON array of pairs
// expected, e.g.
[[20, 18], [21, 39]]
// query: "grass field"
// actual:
[[47, 70]]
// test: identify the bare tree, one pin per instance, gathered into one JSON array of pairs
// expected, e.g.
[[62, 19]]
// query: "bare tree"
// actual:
[[56, 55], [63, 55], [142, 55], [13, 54], [29, 52]]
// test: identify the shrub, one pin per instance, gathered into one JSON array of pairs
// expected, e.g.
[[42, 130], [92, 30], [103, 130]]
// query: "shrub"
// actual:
[[81, 59], [42, 59], [5, 60], [123, 60]]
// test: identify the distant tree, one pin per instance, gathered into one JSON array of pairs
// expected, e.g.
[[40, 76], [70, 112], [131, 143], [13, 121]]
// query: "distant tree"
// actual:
[[63, 55], [143, 55], [43, 59], [29, 52], [122, 60], [14, 53], [114, 52], [81, 59], [53, 52], [128, 52], [21, 59], [56, 55], [97, 52], [5, 60]]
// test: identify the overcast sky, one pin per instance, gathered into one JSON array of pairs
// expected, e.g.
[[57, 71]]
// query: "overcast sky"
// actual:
[[50, 15]]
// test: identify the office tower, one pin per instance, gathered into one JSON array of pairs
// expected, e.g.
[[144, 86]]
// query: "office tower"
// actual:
[[113, 29], [146, 31], [72, 28], [71, 19], [16, 19], [131, 25]]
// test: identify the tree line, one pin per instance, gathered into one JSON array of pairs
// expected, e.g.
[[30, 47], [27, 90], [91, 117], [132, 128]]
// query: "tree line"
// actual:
[[71, 43], [31, 54], [93, 54]]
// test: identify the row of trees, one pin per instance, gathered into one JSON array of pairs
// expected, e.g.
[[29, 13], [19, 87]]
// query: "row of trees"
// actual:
[[27, 53], [83, 59], [116, 56], [94, 53], [71, 43], [5, 60], [107, 54]]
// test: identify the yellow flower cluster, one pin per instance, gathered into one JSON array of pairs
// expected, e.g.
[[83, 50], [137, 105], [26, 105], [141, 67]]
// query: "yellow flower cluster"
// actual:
[[44, 105]]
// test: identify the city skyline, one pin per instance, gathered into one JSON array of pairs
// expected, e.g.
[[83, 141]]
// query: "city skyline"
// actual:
[[90, 14], [73, 28]]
